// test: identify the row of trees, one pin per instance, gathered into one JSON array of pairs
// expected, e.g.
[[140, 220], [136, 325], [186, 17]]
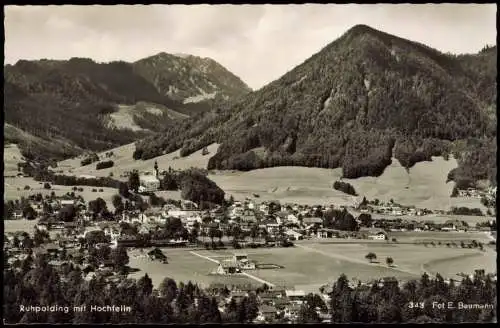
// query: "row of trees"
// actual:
[[104, 165]]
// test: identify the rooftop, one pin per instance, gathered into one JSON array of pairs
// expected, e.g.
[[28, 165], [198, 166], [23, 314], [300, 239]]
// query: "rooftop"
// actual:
[[148, 178]]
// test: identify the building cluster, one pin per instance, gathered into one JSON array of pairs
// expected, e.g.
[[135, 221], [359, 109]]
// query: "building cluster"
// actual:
[[275, 304], [477, 193]]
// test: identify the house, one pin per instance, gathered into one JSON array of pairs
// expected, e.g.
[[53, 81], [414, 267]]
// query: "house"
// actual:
[[264, 208], [292, 311], [267, 313], [188, 205], [270, 224], [312, 221], [294, 235], [18, 214], [373, 233], [237, 296], [227, 267], [148, 183], [327, 233], [67, 202], [295, 296]]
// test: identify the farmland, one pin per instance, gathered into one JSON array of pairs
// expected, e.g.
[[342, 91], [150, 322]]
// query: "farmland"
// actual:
[[310, 265]]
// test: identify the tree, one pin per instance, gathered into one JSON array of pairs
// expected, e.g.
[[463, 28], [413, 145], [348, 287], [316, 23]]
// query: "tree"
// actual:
[[145, 285], [371, 256], [29, 213], [46, 185], [68, 213], [120, 258], [365, 219], [254, 232], [134, 181], [123, 190], [212, 233], [168, 289], [389, 261], [117, 201], [97, 206]]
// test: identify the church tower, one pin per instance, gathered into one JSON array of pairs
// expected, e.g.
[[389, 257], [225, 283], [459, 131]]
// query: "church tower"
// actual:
[[156, 170]]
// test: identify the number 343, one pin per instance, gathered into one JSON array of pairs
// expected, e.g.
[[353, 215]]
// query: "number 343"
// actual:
[[416, 305]]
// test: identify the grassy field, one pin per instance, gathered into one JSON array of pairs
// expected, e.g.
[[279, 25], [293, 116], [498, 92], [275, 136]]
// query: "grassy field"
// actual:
[[423, 186], [307, 270], [466, 264], [12, 185], [19, 225], [311, 265], [124, 162], [182, 266], [11, 156], [411, 236]]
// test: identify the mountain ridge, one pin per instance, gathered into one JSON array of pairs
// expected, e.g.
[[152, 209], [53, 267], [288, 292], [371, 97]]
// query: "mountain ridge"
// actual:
[[353, 104], [89, 105]]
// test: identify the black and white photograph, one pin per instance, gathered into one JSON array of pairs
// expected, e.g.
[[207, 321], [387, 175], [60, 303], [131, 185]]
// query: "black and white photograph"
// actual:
[[250, 164]]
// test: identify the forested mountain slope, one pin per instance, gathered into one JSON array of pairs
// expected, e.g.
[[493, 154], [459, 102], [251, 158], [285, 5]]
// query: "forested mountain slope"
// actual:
[[362, 99], [87, 105]]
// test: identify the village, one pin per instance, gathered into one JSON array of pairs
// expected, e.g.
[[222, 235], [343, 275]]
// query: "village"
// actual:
[[71, 230]]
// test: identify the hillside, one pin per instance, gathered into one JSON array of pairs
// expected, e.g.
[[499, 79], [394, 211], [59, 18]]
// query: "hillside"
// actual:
[[92, 106], [190, 79], [365, 98]]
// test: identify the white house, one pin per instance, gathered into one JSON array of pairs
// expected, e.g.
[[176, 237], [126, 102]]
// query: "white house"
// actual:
[[65, 202], [295, 296], [149, 183], [377, 236], [292, 218]]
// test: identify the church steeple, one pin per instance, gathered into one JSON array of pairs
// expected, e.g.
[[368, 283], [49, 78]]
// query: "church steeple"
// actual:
[[156, 169]]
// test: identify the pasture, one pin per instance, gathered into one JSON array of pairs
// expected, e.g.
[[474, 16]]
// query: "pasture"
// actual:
[[411, 236], [182, 266], [19, 225], [415, 258], [14, 189], [11, 156], [123, 162], [424, 185], [308, 266]]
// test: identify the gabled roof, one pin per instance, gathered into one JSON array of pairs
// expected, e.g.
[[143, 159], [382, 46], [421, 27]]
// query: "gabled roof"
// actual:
[[267, 309], [312, 220]]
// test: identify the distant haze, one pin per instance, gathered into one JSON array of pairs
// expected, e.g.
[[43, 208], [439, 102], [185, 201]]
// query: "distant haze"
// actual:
[[259, 43]]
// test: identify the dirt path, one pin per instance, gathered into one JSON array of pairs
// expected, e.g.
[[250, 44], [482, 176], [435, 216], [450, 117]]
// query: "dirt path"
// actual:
[[243, 273]]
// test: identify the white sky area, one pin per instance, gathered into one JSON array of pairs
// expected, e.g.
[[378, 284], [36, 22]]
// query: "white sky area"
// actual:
[[258, 43]]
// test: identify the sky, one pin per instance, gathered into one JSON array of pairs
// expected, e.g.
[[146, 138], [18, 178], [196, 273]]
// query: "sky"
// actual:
[[258, 43]]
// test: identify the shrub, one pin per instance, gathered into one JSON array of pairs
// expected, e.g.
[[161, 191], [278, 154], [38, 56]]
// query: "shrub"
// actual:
[[94, 190], [46, 185], [345, 187], [104, 165], [27, 188]]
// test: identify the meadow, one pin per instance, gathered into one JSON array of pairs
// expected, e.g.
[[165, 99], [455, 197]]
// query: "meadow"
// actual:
[[14, 189], [182, 266], [424, 185]]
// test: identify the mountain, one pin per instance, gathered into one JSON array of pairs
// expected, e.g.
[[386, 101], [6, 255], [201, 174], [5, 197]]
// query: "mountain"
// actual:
[[190, 79], [363, 99], [85, 105]]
